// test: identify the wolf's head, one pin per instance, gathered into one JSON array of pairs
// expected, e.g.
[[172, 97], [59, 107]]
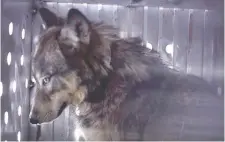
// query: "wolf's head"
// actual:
[[69, 54]]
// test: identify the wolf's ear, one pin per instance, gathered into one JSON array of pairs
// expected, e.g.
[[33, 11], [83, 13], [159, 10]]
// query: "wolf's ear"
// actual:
[[48, 17], [80, 24]]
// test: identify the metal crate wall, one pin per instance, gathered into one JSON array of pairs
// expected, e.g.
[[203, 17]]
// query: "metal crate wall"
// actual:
[[189, 36], [15, 69]]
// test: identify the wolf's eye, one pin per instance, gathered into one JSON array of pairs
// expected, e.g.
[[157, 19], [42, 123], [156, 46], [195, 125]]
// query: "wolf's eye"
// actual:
[[46, 80]]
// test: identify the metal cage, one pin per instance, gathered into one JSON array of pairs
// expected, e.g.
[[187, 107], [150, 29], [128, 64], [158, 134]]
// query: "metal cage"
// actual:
[[188, 33]]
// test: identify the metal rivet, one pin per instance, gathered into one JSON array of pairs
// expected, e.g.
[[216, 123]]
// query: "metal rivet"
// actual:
[[149, 45], [1, 89], [14, 86], [21, 60], [9, 58], [169, 49], [23, 33], [6, 117], [10, 28], [19, 136], [19, 110]]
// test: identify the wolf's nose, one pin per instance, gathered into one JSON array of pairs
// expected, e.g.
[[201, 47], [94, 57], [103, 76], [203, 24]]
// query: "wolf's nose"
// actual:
[[34, 121]]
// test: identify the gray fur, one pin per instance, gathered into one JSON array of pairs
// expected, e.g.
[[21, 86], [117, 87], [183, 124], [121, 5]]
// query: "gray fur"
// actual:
[[123, 90]]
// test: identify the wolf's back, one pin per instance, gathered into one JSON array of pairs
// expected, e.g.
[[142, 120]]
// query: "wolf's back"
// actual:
[[174, 106]]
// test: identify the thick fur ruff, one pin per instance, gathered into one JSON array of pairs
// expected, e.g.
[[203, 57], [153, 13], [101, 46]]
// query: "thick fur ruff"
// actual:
[[124, 91]]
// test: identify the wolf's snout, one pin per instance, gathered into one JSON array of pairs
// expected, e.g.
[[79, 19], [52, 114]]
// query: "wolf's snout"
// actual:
[[33, 117], [34, 121]]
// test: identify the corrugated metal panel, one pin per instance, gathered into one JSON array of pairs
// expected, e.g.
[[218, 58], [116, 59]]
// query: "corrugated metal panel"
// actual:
[[188, 4], [181, 32], [15, 54]]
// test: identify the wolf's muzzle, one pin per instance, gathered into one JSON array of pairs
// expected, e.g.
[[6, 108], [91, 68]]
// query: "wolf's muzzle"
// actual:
[[34, 121]]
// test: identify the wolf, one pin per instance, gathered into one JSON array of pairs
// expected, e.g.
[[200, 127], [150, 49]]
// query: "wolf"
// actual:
[[123, 90]]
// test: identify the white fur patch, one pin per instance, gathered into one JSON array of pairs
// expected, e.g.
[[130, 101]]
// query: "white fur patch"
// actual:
[[68, 36], [78, 132], [77, 111]]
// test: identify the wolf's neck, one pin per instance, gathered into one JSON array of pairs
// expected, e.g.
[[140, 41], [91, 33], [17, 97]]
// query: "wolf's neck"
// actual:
[[116, 90]]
